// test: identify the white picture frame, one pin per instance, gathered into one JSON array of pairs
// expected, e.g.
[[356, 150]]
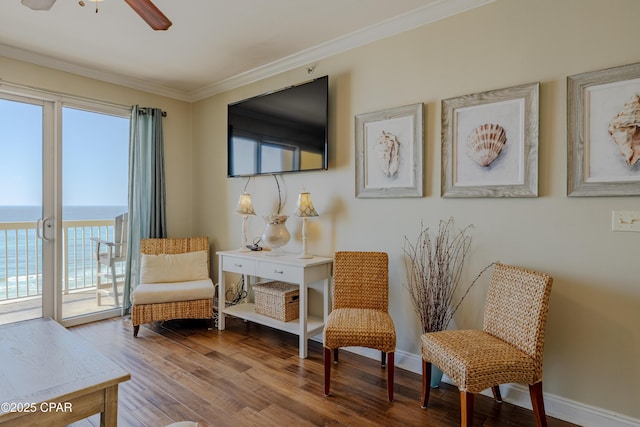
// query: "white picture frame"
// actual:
[[389, 152], [506, 120], [602, 107]]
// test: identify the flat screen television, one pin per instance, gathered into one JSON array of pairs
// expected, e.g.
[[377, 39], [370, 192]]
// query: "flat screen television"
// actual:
[[279, 132]]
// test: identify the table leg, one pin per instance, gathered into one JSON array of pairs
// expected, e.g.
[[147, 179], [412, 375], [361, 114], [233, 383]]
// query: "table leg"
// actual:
[[327, 301], [221, 296], [303, 320], [109, 418]]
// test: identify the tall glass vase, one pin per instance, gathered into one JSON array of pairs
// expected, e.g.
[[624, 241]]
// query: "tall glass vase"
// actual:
[[276, 234]]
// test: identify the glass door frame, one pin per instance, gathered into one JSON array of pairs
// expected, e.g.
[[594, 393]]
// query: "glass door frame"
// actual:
[[48, 243], [52, 245], [96, 107]]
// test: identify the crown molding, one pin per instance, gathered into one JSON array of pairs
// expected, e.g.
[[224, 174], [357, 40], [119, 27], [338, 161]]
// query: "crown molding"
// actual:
[[425, 15], [396, 25], [118, 79]]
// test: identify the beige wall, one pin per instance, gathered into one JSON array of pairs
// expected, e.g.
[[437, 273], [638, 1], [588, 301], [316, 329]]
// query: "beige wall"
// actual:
[[176, 126], [593, 333]]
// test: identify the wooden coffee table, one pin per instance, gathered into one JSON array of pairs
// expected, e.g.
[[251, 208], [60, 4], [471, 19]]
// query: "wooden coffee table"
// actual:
[[51, 377]]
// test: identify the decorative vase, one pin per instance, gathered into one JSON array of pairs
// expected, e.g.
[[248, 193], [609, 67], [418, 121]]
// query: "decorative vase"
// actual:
[[276, 234], [436, 376]]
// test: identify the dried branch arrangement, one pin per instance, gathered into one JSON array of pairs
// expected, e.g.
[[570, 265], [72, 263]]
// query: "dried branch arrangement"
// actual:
[[434, 267]]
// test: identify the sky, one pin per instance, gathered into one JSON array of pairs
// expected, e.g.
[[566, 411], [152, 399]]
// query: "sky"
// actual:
[[94, 157]]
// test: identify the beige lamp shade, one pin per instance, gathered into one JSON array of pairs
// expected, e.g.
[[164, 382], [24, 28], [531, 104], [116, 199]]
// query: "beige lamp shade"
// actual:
[[245, 206], [304, 206]]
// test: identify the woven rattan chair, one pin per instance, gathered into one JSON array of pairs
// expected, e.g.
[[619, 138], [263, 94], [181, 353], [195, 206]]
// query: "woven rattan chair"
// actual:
[[360, 315], [507, 350], [184, 307]]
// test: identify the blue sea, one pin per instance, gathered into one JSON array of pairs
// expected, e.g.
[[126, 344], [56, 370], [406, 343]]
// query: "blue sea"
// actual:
[[20, 257]]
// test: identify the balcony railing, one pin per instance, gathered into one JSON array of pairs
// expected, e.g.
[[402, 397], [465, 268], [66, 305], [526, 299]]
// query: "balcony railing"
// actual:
[[21, 257]]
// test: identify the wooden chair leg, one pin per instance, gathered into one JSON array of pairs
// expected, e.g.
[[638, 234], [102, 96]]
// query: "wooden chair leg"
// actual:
[[136, 328], [327, 369], [383, 359], [535, 390], [496, 393], [426, 383], [390, 372], [335, 355], [466, 409]]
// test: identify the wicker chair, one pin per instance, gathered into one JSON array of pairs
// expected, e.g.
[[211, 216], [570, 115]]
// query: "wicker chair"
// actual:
[[507, 350], [360, 315], [183, 307]]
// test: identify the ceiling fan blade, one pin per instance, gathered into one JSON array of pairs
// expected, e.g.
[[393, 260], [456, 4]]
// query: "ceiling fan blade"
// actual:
[[38, 4], [150, 13]]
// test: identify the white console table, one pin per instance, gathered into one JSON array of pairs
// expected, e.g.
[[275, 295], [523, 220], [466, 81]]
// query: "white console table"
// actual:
[[285, 268]]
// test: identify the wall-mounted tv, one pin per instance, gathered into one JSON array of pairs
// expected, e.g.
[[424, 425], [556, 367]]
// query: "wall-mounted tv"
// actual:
[[281, 131]]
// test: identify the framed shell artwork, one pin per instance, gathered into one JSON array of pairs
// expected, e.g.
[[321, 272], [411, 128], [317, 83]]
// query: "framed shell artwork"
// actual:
[[389, 153], [603, 131], [490, 143]]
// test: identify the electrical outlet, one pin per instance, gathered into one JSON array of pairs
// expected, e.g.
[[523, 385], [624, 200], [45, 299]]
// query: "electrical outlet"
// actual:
[[625, 221]]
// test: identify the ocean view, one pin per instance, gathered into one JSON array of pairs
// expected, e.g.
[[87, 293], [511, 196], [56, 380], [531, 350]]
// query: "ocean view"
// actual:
[[20, 257]]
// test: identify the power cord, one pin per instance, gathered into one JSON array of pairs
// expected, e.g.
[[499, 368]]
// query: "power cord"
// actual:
[[231, 298], [239, 295]]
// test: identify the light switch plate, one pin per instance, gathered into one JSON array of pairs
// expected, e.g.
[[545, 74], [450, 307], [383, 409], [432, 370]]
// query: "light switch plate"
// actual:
[[625, 221]]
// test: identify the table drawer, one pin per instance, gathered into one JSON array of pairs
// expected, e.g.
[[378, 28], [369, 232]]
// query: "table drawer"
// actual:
[[239, 265], [275, 271]]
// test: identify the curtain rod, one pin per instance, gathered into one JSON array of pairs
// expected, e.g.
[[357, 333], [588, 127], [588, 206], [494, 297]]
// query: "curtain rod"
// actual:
[[144, 111]]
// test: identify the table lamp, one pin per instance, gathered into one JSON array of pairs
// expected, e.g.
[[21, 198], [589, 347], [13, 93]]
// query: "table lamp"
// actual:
[[245, 208], [305, 209]]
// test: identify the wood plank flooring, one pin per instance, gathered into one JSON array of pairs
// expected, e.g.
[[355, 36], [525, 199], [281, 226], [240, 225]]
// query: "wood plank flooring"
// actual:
[[250, 375]]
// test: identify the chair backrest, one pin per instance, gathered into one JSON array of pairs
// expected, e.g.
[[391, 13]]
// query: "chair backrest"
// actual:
[[120, 235], [361, 280], [175, 245], [516, 308]]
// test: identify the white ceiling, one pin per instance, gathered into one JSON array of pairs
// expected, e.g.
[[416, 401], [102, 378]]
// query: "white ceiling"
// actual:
[[213, 45]]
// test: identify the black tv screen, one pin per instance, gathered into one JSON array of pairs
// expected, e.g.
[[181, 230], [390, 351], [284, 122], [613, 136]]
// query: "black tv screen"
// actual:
[[279, 132]]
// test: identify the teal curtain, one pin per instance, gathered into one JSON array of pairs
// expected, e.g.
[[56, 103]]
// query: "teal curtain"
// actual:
[[147, 196]]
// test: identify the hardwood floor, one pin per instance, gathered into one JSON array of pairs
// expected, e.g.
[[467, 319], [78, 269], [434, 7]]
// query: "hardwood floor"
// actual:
[[250, 375]]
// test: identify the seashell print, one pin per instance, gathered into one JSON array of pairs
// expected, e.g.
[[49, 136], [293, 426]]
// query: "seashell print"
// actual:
[[387, 149], [485, 143], [625, 130]]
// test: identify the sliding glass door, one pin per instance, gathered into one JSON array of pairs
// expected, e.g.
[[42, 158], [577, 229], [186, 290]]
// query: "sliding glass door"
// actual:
[[63, 174], [94, 193], [26, 234]]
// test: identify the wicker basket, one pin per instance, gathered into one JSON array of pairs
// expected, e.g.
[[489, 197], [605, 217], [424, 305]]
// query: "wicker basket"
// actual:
[[278, 300]]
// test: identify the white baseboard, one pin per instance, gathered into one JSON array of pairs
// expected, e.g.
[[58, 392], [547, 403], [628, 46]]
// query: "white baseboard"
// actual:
[[516, 394]]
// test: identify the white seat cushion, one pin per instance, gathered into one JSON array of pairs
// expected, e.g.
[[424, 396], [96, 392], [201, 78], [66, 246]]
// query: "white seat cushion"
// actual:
[[156, 293]]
